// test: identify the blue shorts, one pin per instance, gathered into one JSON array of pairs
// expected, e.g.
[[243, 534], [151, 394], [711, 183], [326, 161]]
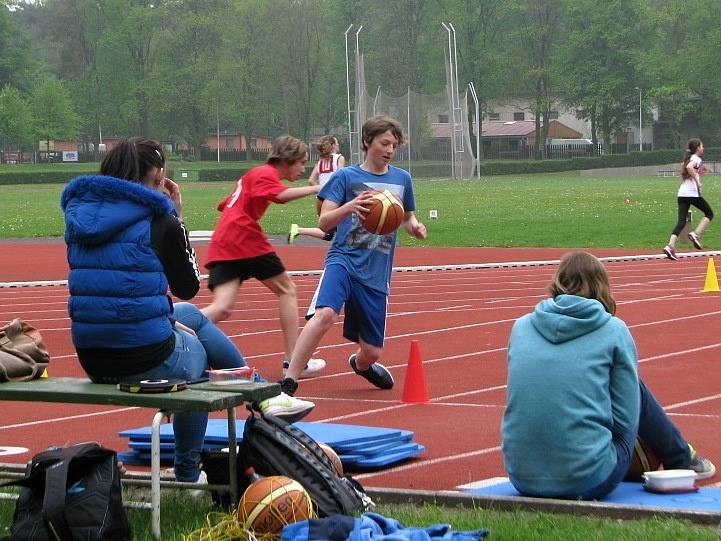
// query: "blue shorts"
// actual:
[[365, 308]]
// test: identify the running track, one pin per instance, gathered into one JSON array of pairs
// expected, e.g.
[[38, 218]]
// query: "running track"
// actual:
[[461, 318]]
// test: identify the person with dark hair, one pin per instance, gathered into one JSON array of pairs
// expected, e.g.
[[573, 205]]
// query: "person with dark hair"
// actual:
[[239, 249], [329, 162], [126, 246], [575, 404], [358, 265], [689, 193]]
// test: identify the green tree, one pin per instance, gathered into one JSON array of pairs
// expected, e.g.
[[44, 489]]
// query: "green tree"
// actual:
[[16, 62], [16, 121], [599, 63], [52, 109]]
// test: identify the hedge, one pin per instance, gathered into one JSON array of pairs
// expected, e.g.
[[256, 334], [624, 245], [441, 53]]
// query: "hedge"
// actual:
[[420, 170]]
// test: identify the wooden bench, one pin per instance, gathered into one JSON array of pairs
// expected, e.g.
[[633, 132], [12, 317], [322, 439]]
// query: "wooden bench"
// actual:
[[198, 397]]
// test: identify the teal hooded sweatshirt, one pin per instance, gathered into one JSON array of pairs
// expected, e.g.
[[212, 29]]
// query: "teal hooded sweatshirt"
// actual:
[[572, 386]]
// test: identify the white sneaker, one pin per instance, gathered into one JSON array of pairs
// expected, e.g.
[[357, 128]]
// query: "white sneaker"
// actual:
[[312, 369], [286, 407], [199, 492]]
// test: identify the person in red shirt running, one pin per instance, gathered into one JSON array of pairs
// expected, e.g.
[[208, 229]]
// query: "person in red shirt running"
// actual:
[[239, 249]]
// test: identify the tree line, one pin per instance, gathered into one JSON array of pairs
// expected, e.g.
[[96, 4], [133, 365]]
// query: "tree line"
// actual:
[[175, 69]]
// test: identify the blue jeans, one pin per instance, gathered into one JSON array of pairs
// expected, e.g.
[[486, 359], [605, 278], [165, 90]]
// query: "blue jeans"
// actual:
[[191, 358], [659, 433]]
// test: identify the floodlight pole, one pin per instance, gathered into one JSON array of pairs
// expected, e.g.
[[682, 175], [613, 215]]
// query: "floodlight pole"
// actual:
[[217, 126], [478, 129], [640, 127], [347, 86], [453, 111], [408, 114]]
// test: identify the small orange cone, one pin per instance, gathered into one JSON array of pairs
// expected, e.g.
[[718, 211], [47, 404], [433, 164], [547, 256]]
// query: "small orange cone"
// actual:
[[414, 388], [711, 282]]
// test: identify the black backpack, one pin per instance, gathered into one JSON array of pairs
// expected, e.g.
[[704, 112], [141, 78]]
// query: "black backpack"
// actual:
[[274, 447], [71, 493]]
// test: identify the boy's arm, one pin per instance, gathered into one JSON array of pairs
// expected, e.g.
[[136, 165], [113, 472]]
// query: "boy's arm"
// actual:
[[331, 213], [413, 226], [291, 194]]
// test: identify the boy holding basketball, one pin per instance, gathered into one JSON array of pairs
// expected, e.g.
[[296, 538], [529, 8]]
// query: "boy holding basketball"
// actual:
[[358, 264]]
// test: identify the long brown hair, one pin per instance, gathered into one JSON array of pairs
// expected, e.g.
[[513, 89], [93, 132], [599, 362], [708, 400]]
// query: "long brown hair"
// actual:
[[582, 274], [691, 149]]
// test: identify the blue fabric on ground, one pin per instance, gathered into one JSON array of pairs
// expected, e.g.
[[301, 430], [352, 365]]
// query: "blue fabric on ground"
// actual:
[[372, 527]]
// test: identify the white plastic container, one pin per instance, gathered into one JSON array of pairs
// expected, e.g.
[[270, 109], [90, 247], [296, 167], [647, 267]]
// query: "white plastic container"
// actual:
[[670, 480], [231, 376]]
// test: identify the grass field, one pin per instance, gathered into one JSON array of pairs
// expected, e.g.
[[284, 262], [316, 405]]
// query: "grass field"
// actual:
[[552, 209], [181, 516]]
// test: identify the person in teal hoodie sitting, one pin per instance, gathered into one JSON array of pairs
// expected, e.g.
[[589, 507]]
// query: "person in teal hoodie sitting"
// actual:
[[575, 403]]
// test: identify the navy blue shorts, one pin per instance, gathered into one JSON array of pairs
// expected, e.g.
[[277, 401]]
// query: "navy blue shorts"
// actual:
[[365, 308]]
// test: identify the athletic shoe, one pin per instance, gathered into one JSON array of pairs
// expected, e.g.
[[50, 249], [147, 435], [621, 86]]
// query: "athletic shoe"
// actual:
[[199, 492], [293, 233], [311, 369], [670, 253], [703, 467], [695, 240], [377, 374], [288, 408]]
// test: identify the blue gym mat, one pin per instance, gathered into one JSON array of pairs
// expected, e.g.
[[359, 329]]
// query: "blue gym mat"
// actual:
[[357, 445], [391, 456], [339, 436], [632, 494]]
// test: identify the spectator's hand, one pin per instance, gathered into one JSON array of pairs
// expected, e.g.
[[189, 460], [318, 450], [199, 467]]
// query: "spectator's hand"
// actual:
[[173, 190]]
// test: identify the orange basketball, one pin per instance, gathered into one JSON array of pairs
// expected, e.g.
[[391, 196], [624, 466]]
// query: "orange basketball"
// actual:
[[270, 503], [385, 213], [334, 458], [642, 460]]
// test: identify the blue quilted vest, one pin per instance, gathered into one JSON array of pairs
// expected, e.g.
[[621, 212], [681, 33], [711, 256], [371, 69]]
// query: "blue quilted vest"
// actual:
[[118, 290]]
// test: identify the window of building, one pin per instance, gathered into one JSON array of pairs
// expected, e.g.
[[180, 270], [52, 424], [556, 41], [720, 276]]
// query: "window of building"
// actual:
[[443, 119], [519, 116], [229, 142], [553, 115], [494, 116]]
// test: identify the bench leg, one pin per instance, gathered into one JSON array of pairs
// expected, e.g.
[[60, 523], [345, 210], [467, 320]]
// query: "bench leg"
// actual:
[[232, 456], [155, 474]]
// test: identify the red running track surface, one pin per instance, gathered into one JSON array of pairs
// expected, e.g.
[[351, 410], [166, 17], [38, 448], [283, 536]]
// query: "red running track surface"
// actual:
[[461, 318]]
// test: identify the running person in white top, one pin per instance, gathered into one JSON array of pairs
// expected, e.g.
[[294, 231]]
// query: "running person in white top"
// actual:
[[330, 161], [689, 193]]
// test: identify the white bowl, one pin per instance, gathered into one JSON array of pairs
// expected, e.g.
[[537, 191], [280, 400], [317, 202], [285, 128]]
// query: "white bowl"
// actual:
[[670, 479]]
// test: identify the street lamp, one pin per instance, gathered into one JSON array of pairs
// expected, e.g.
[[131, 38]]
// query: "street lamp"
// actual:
[[640, 127]]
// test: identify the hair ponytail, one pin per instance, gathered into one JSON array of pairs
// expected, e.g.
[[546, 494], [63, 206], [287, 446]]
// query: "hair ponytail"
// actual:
[[691, 149]]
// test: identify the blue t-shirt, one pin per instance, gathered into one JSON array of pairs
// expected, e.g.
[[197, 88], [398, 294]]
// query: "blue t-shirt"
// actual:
[[368, 258]]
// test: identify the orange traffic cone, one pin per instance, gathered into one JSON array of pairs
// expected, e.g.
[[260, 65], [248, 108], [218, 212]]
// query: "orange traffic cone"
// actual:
[[414, 388]]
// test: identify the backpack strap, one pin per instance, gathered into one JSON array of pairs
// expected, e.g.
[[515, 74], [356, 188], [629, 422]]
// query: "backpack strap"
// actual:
[[56, 479]]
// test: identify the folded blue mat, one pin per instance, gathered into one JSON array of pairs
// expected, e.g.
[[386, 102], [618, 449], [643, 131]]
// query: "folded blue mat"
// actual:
[[366, 447], [706, 499], [386, 459], [339, 436], [357, 457]]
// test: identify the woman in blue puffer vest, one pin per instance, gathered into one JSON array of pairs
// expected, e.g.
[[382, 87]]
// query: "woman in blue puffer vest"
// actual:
[[126, 245]]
